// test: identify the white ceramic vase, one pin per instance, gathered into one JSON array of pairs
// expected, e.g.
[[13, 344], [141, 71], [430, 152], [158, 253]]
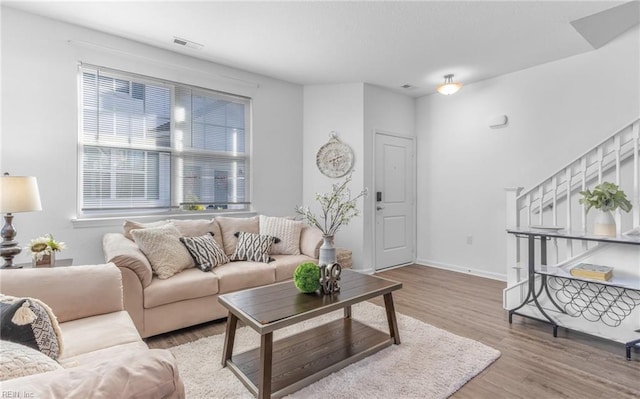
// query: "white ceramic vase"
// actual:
[[327, 251], [604, 224]]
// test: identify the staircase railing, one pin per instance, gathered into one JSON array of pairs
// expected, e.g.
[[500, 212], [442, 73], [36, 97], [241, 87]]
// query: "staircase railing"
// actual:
[[554, 201]]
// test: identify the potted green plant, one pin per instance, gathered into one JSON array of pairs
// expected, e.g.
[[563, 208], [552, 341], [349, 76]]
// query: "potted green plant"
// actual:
[[606, 197]]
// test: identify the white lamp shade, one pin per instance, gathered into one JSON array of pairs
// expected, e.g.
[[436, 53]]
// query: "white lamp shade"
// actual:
[[19, 194]]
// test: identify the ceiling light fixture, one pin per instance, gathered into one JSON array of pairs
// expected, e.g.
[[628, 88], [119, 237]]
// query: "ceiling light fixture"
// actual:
[[448, 87]]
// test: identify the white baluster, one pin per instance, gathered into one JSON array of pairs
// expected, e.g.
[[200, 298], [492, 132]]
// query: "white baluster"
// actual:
[[541, 203], [527, 201], [600, 157], [616, 148], [569, 227], [636, 174], [583, 180]]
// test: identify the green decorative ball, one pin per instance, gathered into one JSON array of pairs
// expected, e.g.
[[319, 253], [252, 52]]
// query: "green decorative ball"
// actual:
[[306, 277]]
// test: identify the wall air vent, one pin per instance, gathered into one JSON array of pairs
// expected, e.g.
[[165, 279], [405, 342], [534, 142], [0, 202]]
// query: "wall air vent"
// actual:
[[187, 43]]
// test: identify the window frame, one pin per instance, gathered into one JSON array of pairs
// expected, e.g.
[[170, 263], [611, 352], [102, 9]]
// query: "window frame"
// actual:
[[178, 153]]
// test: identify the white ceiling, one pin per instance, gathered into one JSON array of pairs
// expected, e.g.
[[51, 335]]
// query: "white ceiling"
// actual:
[[386, 43]]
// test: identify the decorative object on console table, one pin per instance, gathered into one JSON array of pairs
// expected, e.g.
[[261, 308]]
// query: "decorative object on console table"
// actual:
[[17, 194], [338, 208], [43, 250], [604, 224], [606, 197], [330, 278], [596, 272]]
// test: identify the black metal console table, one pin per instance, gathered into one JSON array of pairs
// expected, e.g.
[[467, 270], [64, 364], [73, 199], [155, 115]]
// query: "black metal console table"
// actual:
[[609, 302]]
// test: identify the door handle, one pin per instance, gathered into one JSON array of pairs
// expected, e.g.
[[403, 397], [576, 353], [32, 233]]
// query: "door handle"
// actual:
[[379, 208]]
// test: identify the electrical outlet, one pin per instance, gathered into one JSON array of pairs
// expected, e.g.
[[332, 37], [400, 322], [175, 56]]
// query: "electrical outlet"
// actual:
[[469, 240]]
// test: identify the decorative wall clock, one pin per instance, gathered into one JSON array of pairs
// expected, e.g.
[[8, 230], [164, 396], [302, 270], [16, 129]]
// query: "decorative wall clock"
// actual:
[[334, 159]]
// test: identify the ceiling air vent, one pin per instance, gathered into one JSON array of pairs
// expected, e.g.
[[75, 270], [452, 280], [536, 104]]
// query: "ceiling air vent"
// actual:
[[408, 86], [187, 43]]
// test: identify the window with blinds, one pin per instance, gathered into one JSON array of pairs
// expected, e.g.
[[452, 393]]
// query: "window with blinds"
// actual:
[[151, 145]]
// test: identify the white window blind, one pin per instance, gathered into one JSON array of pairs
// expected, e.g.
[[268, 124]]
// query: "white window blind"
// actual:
[[151, 145]]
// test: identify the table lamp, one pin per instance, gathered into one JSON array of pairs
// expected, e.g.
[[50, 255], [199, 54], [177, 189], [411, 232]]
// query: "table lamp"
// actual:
[[17, 194]]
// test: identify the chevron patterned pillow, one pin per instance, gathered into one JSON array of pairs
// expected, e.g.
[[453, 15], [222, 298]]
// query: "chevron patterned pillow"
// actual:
[[253, 247], [205, 251]]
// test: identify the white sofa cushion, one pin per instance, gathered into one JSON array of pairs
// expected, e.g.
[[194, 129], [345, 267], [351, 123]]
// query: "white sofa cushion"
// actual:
[[236, 276], [97, 332], [189, 284]]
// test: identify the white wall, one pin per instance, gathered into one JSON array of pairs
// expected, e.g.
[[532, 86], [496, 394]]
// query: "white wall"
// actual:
[[337, 108], [40, 129], [355, 111], [556, 112]]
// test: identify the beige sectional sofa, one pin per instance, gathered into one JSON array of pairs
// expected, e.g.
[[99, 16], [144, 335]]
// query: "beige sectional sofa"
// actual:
[[103, 355], [190, 296]]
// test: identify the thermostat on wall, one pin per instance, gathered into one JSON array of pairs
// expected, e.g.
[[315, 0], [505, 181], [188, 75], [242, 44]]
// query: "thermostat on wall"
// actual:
[[498, 121]]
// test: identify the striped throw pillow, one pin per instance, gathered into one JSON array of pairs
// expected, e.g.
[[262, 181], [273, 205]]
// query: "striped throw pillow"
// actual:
[[205, 251], [253, 247]]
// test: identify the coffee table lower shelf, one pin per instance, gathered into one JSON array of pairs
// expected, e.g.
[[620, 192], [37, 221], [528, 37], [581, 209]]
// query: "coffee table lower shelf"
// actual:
[[310, 355]]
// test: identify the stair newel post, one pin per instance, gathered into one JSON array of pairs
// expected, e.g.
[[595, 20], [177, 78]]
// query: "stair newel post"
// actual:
[[513, 246], [569, 243]]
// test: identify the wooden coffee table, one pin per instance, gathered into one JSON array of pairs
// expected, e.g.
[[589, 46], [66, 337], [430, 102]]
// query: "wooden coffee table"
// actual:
[[278, 368]]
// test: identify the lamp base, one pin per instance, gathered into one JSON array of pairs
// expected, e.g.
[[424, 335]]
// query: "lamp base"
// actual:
[[11, 266], [9, 247]]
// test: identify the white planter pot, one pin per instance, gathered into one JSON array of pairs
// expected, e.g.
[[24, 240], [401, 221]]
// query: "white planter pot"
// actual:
[[604, 224]]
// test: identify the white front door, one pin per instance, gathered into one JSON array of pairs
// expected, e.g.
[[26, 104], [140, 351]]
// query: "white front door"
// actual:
[[395, 204]]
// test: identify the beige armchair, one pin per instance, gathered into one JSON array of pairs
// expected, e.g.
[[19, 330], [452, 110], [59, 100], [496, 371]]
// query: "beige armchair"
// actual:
[[103, 356]]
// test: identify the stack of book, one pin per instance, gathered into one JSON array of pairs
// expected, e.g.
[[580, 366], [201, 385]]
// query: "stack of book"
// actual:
[[595, 272]]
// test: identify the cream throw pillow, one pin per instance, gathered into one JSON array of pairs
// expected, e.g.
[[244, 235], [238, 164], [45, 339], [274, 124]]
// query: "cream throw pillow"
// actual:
[[164, 250], [131, 225], [199, 227], [20, 361], [287, 230], [230, 226]]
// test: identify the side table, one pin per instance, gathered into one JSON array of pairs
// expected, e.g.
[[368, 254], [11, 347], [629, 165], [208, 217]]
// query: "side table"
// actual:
[[59, 263]]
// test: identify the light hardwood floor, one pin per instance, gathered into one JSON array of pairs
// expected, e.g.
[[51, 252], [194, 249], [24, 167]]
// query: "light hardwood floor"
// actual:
[[533, 363]]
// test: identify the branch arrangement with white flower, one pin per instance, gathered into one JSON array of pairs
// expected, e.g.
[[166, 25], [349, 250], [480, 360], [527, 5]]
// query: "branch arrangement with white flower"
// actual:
[[338, 208], [43, 246]]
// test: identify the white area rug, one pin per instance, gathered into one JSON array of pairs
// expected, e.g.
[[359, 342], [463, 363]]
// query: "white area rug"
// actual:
[[429, 363]]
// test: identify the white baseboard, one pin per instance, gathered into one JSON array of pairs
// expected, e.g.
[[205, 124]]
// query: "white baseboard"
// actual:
[[364, 271], [462, 269]]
